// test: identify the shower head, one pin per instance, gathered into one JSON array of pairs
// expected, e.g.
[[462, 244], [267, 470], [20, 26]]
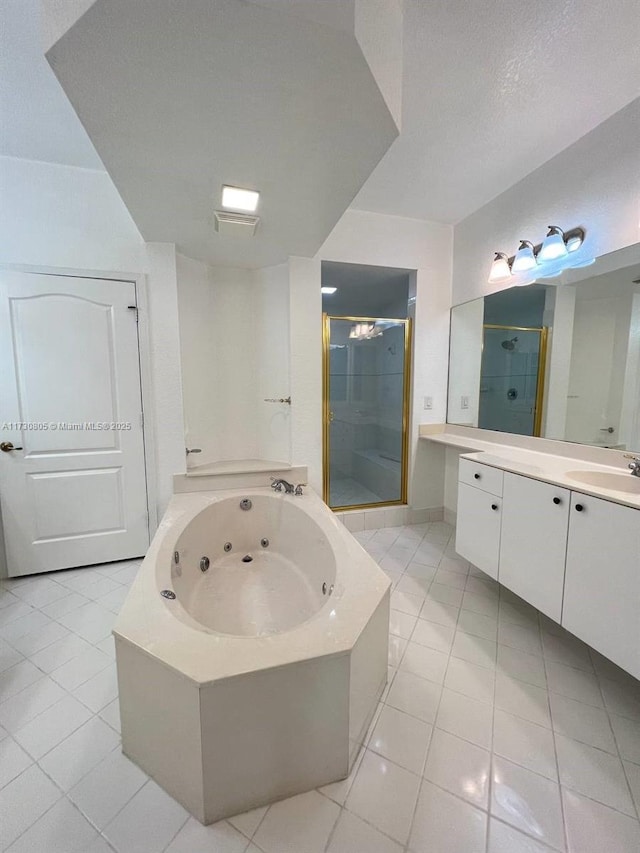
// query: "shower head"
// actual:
[[509, 345]]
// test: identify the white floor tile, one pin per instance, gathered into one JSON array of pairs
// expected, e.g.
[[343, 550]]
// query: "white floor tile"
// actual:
[[465, 717], [633, 777], [419, 570], [527, 801], [566, 649], [524, 700], [627, 735], [218, 838], [81, 668], [16, 678], [17, 628], [248, 822], [594, 828], [478, 682], [525, 743], [68, 762], [522, 665], [147, 823], [23, 801], [444, 594], [60, 652], [425, 662], [8, 656], [525, 639], [61, 830], [414, 695], [401, 624], [26, 705], [438, 611], [106, 789], [300, 823], [621, 700], [505, 839], [582, 722], [401, 738], [39, 639], [452, 579], [52, 726], [339, 791], [594, 773], [99, 691], [111, 714], [352, 835], [13, 760], [397, 648], [384, 795], [445, 824], [405, 603], [478, 625], [480, 604], [433, 635], [460, 767], [92, 622], [474, 649], [574, 683], [61, 606]]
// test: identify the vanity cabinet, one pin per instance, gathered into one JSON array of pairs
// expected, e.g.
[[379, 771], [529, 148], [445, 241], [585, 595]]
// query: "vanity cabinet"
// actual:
[[602, 580], [479, 515], [574, 557], [535, 517]]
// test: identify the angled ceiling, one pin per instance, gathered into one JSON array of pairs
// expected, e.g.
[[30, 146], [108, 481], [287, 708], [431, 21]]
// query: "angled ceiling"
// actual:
[[491, 91], [37, 122], [180, 98]]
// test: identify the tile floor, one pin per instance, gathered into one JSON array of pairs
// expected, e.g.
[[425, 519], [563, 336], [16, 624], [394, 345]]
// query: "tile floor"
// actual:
[[498, 733]]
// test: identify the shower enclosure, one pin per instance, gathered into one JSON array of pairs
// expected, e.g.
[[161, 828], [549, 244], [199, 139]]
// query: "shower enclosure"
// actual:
[[512, 379], [366, 396]]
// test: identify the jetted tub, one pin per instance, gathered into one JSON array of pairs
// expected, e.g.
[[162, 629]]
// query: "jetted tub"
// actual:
[[258, 680]]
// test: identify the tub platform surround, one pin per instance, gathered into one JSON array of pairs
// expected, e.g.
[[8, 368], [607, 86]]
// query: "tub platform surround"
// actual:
[[258, 680]]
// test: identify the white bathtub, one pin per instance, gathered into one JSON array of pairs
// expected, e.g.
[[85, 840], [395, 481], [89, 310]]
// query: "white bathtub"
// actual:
[[259, 679]]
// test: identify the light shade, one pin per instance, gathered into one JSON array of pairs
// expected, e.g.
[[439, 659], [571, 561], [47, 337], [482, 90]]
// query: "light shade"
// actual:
[[328, 290], [236, 198], [525, 258], [553, 245], [500, 269]]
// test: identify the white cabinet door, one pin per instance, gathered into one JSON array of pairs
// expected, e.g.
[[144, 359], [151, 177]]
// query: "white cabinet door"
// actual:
[[602, 582], [478, 528], [535, 518], [72, 485]]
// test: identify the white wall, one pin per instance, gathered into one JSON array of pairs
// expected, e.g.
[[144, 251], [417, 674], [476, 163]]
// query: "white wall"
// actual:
[[369, 238], [69, 218], [594, 183]]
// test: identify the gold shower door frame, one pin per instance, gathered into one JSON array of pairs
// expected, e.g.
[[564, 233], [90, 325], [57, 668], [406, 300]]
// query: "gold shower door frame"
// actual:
[[327, 415], [543, 331]]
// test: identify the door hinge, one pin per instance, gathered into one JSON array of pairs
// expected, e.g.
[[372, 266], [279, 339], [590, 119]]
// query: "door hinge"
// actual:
[[134, 308], [142, 419]]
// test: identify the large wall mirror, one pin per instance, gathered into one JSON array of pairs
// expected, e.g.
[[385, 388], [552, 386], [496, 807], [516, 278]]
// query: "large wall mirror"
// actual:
[[558, 359]]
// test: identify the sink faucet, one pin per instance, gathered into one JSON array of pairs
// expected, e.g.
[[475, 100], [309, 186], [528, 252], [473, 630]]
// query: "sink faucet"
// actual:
[[634, 465], [278, 484]]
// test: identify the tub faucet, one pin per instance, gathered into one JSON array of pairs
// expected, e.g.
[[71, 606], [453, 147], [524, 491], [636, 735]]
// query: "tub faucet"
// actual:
[[634, 465], [278, 484]]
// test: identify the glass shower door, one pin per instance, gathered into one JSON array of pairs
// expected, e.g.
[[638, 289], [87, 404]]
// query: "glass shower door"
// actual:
[[512, 379], [365, 411]]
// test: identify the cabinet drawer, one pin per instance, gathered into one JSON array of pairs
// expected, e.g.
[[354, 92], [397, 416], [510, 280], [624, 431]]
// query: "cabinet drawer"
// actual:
[[481, 476]]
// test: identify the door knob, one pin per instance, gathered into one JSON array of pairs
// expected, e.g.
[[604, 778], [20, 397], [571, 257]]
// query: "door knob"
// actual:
[[331, 417], [7, 447]]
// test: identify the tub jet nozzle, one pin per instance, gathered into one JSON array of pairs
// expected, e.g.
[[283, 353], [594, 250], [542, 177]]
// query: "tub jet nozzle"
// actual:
[[247, 558]]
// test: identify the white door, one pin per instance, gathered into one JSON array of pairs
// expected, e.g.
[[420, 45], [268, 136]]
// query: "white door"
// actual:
[[602, 581], [533, 542], [478, 528], [72, 489]]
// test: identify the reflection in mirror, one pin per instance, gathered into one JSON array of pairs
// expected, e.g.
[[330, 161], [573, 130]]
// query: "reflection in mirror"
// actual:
[[559, 359]]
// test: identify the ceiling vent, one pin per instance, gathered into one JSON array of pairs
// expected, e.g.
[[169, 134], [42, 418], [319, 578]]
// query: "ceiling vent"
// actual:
[[235, 224]]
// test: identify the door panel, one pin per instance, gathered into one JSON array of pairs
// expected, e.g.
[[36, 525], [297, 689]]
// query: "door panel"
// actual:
[[73, 491], [478, 528], [535, 520]]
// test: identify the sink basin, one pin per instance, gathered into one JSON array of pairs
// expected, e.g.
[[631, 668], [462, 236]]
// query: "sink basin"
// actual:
[[605, 480]]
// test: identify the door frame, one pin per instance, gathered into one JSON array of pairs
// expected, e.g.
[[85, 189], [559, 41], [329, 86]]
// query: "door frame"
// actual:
[[139, 280], [406, 405], [543, 332]]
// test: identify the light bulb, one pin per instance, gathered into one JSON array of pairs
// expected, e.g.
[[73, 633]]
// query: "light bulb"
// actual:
[[500, 269], [553, 245], [525, 258]]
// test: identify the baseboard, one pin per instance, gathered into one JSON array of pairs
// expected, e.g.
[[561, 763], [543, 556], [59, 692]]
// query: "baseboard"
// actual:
[[396, 516]]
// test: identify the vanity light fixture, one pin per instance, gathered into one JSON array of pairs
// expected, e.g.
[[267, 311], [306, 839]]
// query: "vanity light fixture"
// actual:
[[500, 268], [555, 249], [236, 198], [553, 245], [328, 291], [525, 258]]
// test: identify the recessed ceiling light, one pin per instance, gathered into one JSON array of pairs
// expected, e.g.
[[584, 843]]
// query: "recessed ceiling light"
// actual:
[[328, 290], [236, 198]]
